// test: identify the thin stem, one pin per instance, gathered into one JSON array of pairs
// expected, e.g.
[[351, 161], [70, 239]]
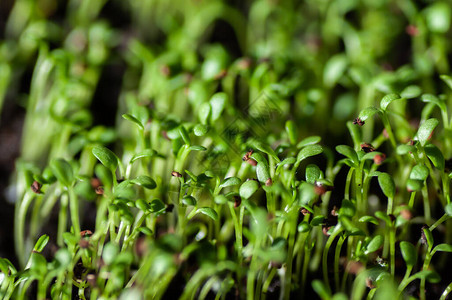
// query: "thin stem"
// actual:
[[348, 184], [337, 256], [388, 128], [62, 219], [238, 240], [329, 242], [307, 258], [427, 214], [444, 218], [403, 284], [390, 205], [446, 292], [412, 197], [73, 208], [268, 281], [19, 226], [427, 259], [289, 261], [392, 248]]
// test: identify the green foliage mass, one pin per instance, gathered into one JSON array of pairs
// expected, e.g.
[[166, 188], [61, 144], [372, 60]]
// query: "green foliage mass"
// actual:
[[218, 149]]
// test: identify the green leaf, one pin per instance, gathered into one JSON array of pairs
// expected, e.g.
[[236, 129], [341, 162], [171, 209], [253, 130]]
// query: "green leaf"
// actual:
[[125, 190], [220, 199], [277, 252], [145, 181], [204, 113], [374, 244], [438, 17], [303, 227], [419, 172], [197, 148], [211, 213], [248, 188], [387, 100], [189, 200], [347, 208], [262, 168], [110, 252], [4, 266], [145, 230], [142, 205], [309, 151], [317, 220], [312, 173], [291, 131], [307, 194], [259, 158], [368, 219], [339, 296], [443, 248], [192, 176], [368, 112], [448, 209], [217, 103], [387, 184], [321, 289], [62, 171], [348, 152], [106, 157], [411, 91], [425, 130], [38, 265], [63, 258], [433, 99], [447, 79], [230, 181], [409, 253], [435, 155], [145, 153], [70, 239], [404, 149], [334, 69], [414, 185], [370, 155], [157, 205], [184, 134], [200, 129], [383, 216], [428, 237], [130, 293], [287, 161], [41, 243], [262, 173], [311, 140], [134, 120]]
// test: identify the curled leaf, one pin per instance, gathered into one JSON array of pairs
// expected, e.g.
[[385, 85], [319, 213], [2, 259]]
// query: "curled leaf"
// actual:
[[248, 188], [425, 131], [106, 157], [388, 99], [211, 213]]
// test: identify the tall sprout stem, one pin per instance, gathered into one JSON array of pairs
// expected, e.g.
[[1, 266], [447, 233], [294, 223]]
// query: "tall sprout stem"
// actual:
[[329, 242], [392, 242], [19, 225], [446, 292], [74, 210], [337, 256], [289, 261]]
